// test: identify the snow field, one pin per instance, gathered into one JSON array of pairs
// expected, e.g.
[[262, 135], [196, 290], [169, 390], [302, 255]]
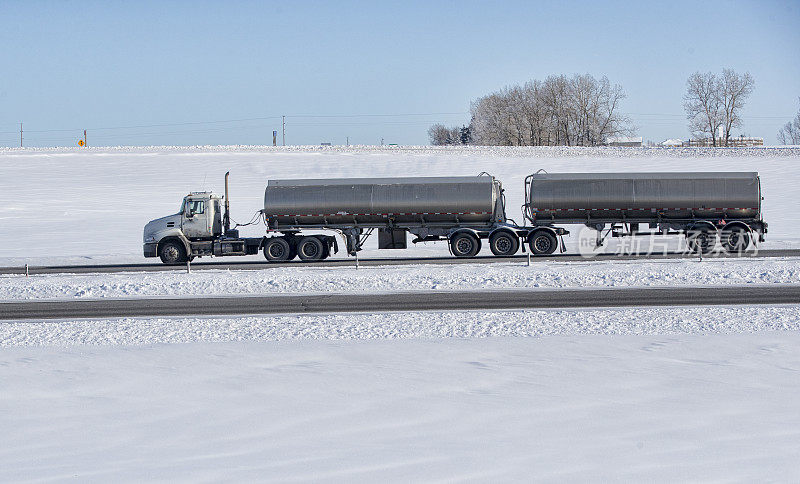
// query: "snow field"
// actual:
[[660, 408], [616, 394], [96, 201]]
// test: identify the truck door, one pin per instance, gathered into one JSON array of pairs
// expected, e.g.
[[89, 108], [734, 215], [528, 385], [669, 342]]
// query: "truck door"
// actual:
[[195, 223]]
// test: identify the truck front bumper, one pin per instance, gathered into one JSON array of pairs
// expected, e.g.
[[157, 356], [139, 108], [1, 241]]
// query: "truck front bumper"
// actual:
[[151, 249]]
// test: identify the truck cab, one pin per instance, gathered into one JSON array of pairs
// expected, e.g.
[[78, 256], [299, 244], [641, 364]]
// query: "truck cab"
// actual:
[[189, 233], [201, 216]]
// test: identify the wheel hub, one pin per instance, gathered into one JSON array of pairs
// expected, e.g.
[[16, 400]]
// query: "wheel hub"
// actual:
[[464, 245], [542, 244], [503, 244]]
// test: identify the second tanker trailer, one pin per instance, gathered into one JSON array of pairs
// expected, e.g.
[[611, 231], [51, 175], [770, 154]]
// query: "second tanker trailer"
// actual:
[[464, 211]]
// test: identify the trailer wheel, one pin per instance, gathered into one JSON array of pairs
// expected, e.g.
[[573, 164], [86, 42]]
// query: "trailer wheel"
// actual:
[[464, 245], [504, 244], [701, 240], [310, 249], [735, 240], [277, 249], [542, 242], [172, 252]]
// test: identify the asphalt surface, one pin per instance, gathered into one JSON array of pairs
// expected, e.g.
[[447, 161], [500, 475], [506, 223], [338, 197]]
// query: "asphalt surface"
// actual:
[[257, 262], [404, 301]]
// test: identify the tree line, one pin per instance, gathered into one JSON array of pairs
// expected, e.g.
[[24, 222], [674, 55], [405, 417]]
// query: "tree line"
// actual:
[[576, 111], [585, 111], [789, 134]]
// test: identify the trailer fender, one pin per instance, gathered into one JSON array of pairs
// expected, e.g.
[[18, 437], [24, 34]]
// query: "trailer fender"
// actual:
[[737, 223], [543, 229], [511, 231], [472, 232], [701, 225]]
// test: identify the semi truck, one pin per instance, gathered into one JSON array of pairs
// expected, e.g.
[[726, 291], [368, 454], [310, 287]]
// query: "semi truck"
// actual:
[[308, 218]]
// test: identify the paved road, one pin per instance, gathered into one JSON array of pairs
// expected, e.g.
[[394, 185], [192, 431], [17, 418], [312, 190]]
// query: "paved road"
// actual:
[[259, 263], [405, 301]]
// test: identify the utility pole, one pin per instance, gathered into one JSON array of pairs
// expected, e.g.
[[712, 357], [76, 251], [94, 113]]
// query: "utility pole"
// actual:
[[283, 120], [348, 141], [20, 135], [85, 143]]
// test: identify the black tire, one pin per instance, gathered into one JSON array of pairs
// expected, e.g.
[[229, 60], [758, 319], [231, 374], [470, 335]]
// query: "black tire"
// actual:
[[735, 240], [277, 249], [504, 244], [326, 248], [172, 253], [542, 242], [310, 249], [464, 245], [701, 240]]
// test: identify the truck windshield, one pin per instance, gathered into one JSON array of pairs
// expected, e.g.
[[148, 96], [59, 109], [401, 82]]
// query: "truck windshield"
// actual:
[[183, 205]]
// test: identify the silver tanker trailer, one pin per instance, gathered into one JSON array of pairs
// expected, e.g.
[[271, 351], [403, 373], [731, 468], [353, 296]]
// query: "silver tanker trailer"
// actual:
[[704, 207], [465, 211]]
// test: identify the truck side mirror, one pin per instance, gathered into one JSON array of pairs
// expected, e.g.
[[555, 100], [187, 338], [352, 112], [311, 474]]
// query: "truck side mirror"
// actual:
[[188, 212]]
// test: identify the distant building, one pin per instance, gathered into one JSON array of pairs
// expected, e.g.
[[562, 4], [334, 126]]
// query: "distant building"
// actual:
[[624, 141], [738, 142]]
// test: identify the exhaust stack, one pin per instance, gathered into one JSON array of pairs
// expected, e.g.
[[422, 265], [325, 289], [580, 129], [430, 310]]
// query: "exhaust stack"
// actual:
[[227, 218]]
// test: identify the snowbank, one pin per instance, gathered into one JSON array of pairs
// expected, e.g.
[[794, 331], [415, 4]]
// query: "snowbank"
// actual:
[[404, 325], [310, 279]]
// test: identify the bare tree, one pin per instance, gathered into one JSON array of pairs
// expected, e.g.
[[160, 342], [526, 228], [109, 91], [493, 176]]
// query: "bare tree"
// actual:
[[713, 102], [789, 134], [491, 124], [733, 90], [702, 105], [438, 134], [581, 110], [441, 135]]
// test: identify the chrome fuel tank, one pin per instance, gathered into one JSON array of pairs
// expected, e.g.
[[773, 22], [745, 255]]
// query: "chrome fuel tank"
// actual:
[[582, 197], [374, 201]]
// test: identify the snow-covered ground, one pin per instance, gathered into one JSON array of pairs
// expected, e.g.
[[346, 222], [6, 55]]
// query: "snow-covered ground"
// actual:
[[445, 277], [404, 325], [660, 408], [67, 205], [636, 394]]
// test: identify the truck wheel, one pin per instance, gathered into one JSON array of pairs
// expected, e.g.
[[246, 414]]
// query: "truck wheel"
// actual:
[[464, 245], [735, 240], [504, 244], [701, 240], [310, 249], [277, 249], [172, 252], [542, 243]]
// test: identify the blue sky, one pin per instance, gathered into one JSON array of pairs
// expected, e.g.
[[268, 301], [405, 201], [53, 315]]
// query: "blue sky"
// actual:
[[175, 72]]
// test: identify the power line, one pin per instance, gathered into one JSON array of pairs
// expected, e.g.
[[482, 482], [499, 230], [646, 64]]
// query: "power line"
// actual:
[[371, 115], [191, 123]]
